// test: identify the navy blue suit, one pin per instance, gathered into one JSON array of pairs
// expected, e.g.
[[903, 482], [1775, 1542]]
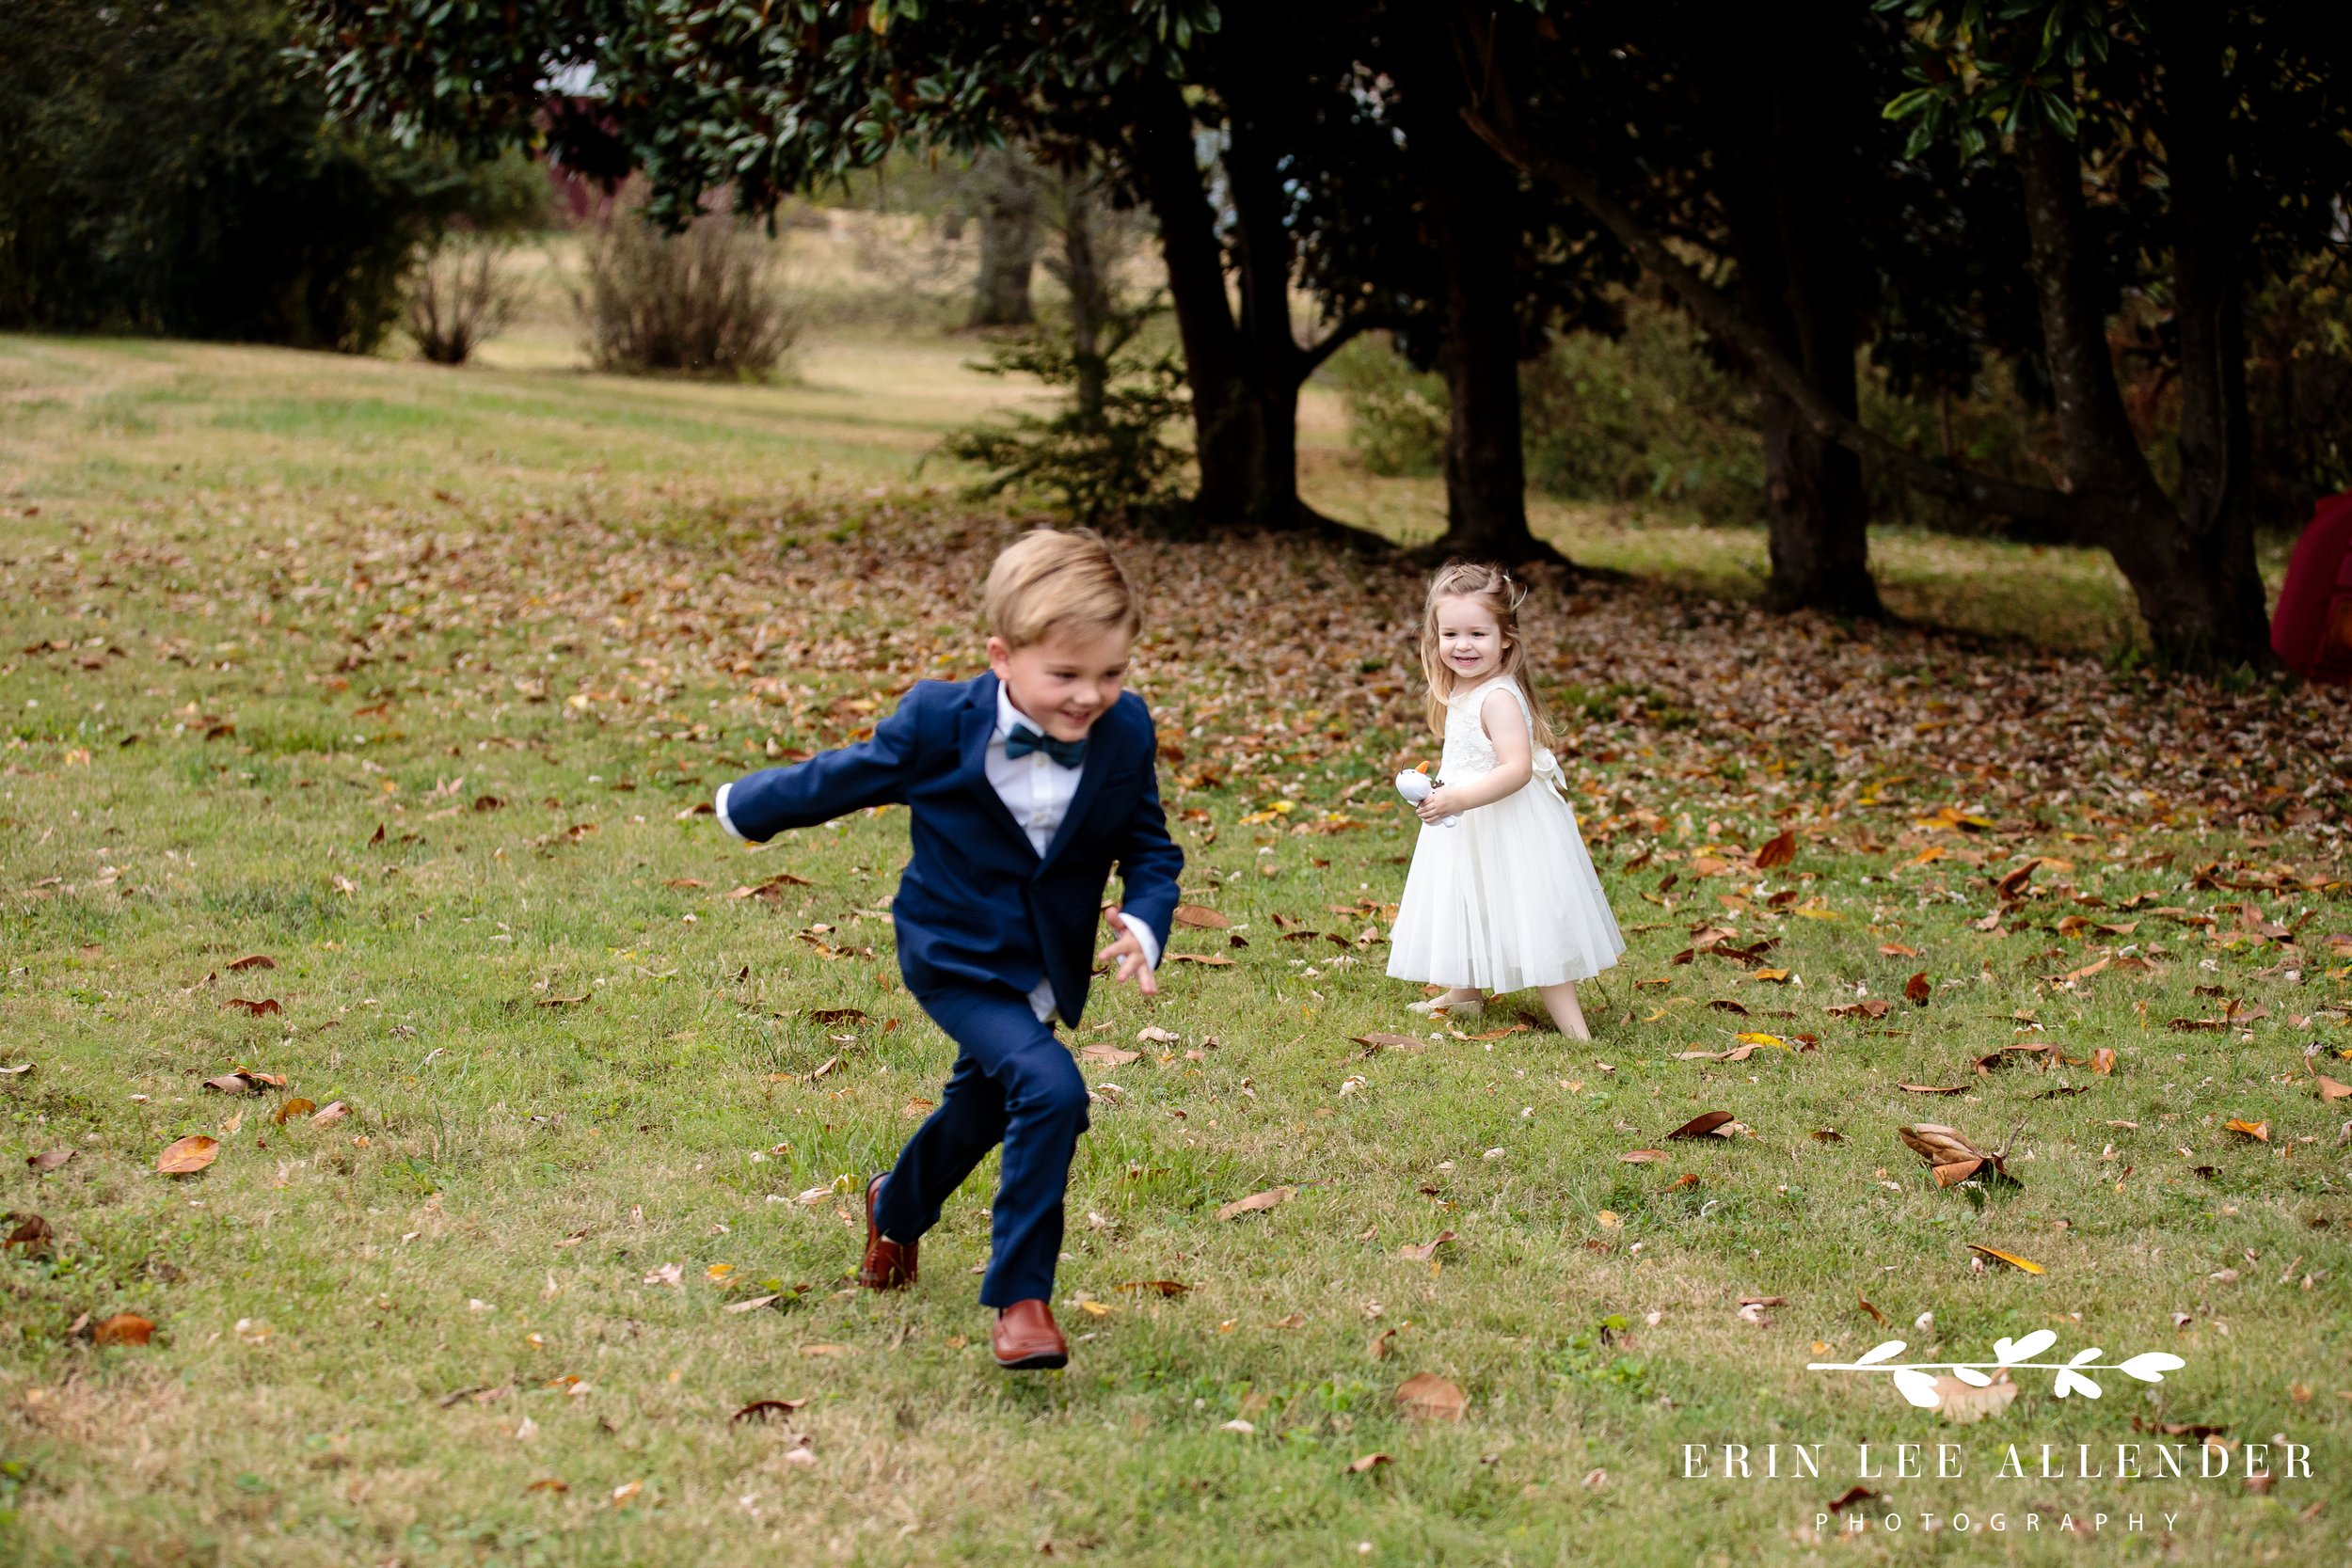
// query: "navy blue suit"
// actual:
[[981, 917]]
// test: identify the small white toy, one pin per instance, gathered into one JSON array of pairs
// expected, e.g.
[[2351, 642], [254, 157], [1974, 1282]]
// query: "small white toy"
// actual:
[[1415, 787]]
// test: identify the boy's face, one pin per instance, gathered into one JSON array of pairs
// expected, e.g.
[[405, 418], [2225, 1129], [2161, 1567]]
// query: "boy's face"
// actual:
[[1065, 681]]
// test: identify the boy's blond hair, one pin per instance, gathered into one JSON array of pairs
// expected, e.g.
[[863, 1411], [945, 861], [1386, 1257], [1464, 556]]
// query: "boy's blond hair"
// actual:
[[1048, 579]]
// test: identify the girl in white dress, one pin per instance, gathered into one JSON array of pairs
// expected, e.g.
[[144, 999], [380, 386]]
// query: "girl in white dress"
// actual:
[[1505, 897]]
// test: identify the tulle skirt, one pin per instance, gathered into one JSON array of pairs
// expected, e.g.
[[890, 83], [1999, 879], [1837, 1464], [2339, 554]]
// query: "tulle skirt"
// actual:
[[1504, 900]]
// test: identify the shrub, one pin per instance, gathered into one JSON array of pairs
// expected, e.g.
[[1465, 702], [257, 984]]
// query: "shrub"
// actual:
[[701, 302], [170, 170], [461, 295]]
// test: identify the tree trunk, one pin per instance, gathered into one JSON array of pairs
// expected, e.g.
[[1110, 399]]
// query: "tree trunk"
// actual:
[[1006, 206], [1784, 160], [2191, 584], [1470, 204], [1224, 421], [1275, 364]]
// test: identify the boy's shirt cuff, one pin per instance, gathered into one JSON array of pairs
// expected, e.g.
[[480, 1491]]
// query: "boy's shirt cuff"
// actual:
[[719, 806], [1149, 944]]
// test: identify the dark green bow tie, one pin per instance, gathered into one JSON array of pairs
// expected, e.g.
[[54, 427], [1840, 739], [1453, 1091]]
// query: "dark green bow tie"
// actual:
[[1024, 740]]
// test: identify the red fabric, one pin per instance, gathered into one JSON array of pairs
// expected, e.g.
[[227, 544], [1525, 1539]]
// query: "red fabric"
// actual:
[[2313, 629]]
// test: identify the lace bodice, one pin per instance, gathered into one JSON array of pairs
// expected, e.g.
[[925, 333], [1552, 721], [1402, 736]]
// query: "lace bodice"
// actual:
[[1469, 754]]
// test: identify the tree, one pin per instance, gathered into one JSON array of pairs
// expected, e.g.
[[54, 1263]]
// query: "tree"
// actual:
[[1001, 191], [2174, 150]]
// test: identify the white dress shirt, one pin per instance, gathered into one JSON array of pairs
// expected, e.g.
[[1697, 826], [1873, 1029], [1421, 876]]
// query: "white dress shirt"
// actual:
[[1037, 790]]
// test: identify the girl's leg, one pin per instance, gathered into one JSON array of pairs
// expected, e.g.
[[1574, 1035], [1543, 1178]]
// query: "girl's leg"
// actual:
[[1560, 1000]]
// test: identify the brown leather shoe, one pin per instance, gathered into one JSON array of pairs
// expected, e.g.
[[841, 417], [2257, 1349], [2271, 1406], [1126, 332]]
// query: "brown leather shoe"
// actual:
[[889, 1265], [1025, 1338]]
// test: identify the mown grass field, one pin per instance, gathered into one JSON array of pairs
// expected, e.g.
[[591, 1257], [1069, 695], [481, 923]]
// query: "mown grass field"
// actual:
[[410, 681]]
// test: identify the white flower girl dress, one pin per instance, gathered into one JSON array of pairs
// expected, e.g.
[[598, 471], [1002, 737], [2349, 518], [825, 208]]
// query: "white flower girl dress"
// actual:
[[1507, 898]]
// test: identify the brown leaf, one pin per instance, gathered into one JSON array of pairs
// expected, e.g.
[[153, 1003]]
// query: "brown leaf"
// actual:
[[837, 1015], [1427, 1396], [297, 1106], [1933, 1089], [1863, 1302], [335, 1111], [1850, 1496], [2103, 1060], [1963, 1404], [1377, 1348], [188, 1155], [1917, 989], [561, 1001], [1707, 1124], [1778, 850], [1872, 1007], [1257, 1202], [228, 1083], [1109, 1055], [2258, 1131], [32, 1233], [48, 1160], [1377, 1043], [1828, 1135], [1957, 1172], [123, 1328], [1896, 950], [252, 960], [1156, 1287], [550, 1484], [1425, 1250], [2329, 1088], [1209, 960], [1367, 1462], [259, 1009], [1200, 918], [768, 1410], [1641, 1156]]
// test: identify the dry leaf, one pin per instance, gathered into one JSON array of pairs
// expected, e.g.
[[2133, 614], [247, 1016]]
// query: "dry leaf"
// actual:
[[266, 1006], [294, 1107], [1200, 918], [1933, 1089], [32, 1233], [1257, 1202], [251, 960], [1109, 1055], [48, 1160], [1963, 1404], [1425, 1250], [2258, 1131], [1158, 1035], [1156, 1287], [1707, 1124], [1863, 1302], [2103, 1060], [1378, 1347], [2329, 1088], [1368, 1461], [1778, 850], [1377, 1043], [1917, 989], [188, 1155], [1427, 1396], [768, 1410], [1641, 1156], [123, 1328], [2010, 1258], [334, 1111]]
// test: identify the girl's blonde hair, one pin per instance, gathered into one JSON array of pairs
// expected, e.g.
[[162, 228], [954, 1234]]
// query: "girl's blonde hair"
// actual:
[[1495, 589]]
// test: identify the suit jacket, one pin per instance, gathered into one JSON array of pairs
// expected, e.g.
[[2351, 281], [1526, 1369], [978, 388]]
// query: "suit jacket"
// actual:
[[977, 903]]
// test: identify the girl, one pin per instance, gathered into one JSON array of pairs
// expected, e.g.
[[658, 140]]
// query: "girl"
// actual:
[[1507, 897]]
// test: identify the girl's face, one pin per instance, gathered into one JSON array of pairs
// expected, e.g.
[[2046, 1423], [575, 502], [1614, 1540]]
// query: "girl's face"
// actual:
[[1470, 641]]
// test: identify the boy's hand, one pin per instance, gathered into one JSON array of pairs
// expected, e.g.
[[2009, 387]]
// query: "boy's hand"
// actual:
[[1132, 965], [1437, 805]]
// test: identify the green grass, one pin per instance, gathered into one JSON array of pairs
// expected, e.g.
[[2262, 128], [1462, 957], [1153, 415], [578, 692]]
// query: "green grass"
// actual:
[[353, 596]]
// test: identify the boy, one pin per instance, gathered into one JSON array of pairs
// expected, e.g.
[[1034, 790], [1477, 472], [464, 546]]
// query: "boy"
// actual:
[[1026, 784]]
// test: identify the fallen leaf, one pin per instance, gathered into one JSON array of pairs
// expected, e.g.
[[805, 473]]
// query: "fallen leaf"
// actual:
[[754, 1303], [1778, 850], [1425, 1250], [32, 1233], [2103, 1060], [251, 960], [2010, 1258], [1257, 1202], [2258, 1131], [123, 1328], [1200, 918], [1427, 1396], [1109, 1055], [1850, 1496], [1863, 1302], [1377, 1348], [1917, 989], [549, 1484], [1367, 1462], [1379, 1042], [1896, 950], [228, 1083], [188, 1155], [2329, 1088], [294, 1107], [768, 1410], [1156, 1287], [1963, 1404], [1641, 1156], [266, 1006], [1158, 1035], [1709, 1124], [48, 1160], [1933, 1089], [334, 1111]]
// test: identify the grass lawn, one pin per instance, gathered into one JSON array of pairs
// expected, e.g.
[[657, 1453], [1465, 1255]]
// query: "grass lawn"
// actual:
[[409, 682]]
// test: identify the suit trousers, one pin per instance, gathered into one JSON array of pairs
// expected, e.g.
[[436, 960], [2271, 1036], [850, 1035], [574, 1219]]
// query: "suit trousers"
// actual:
[[1013, 1083]]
